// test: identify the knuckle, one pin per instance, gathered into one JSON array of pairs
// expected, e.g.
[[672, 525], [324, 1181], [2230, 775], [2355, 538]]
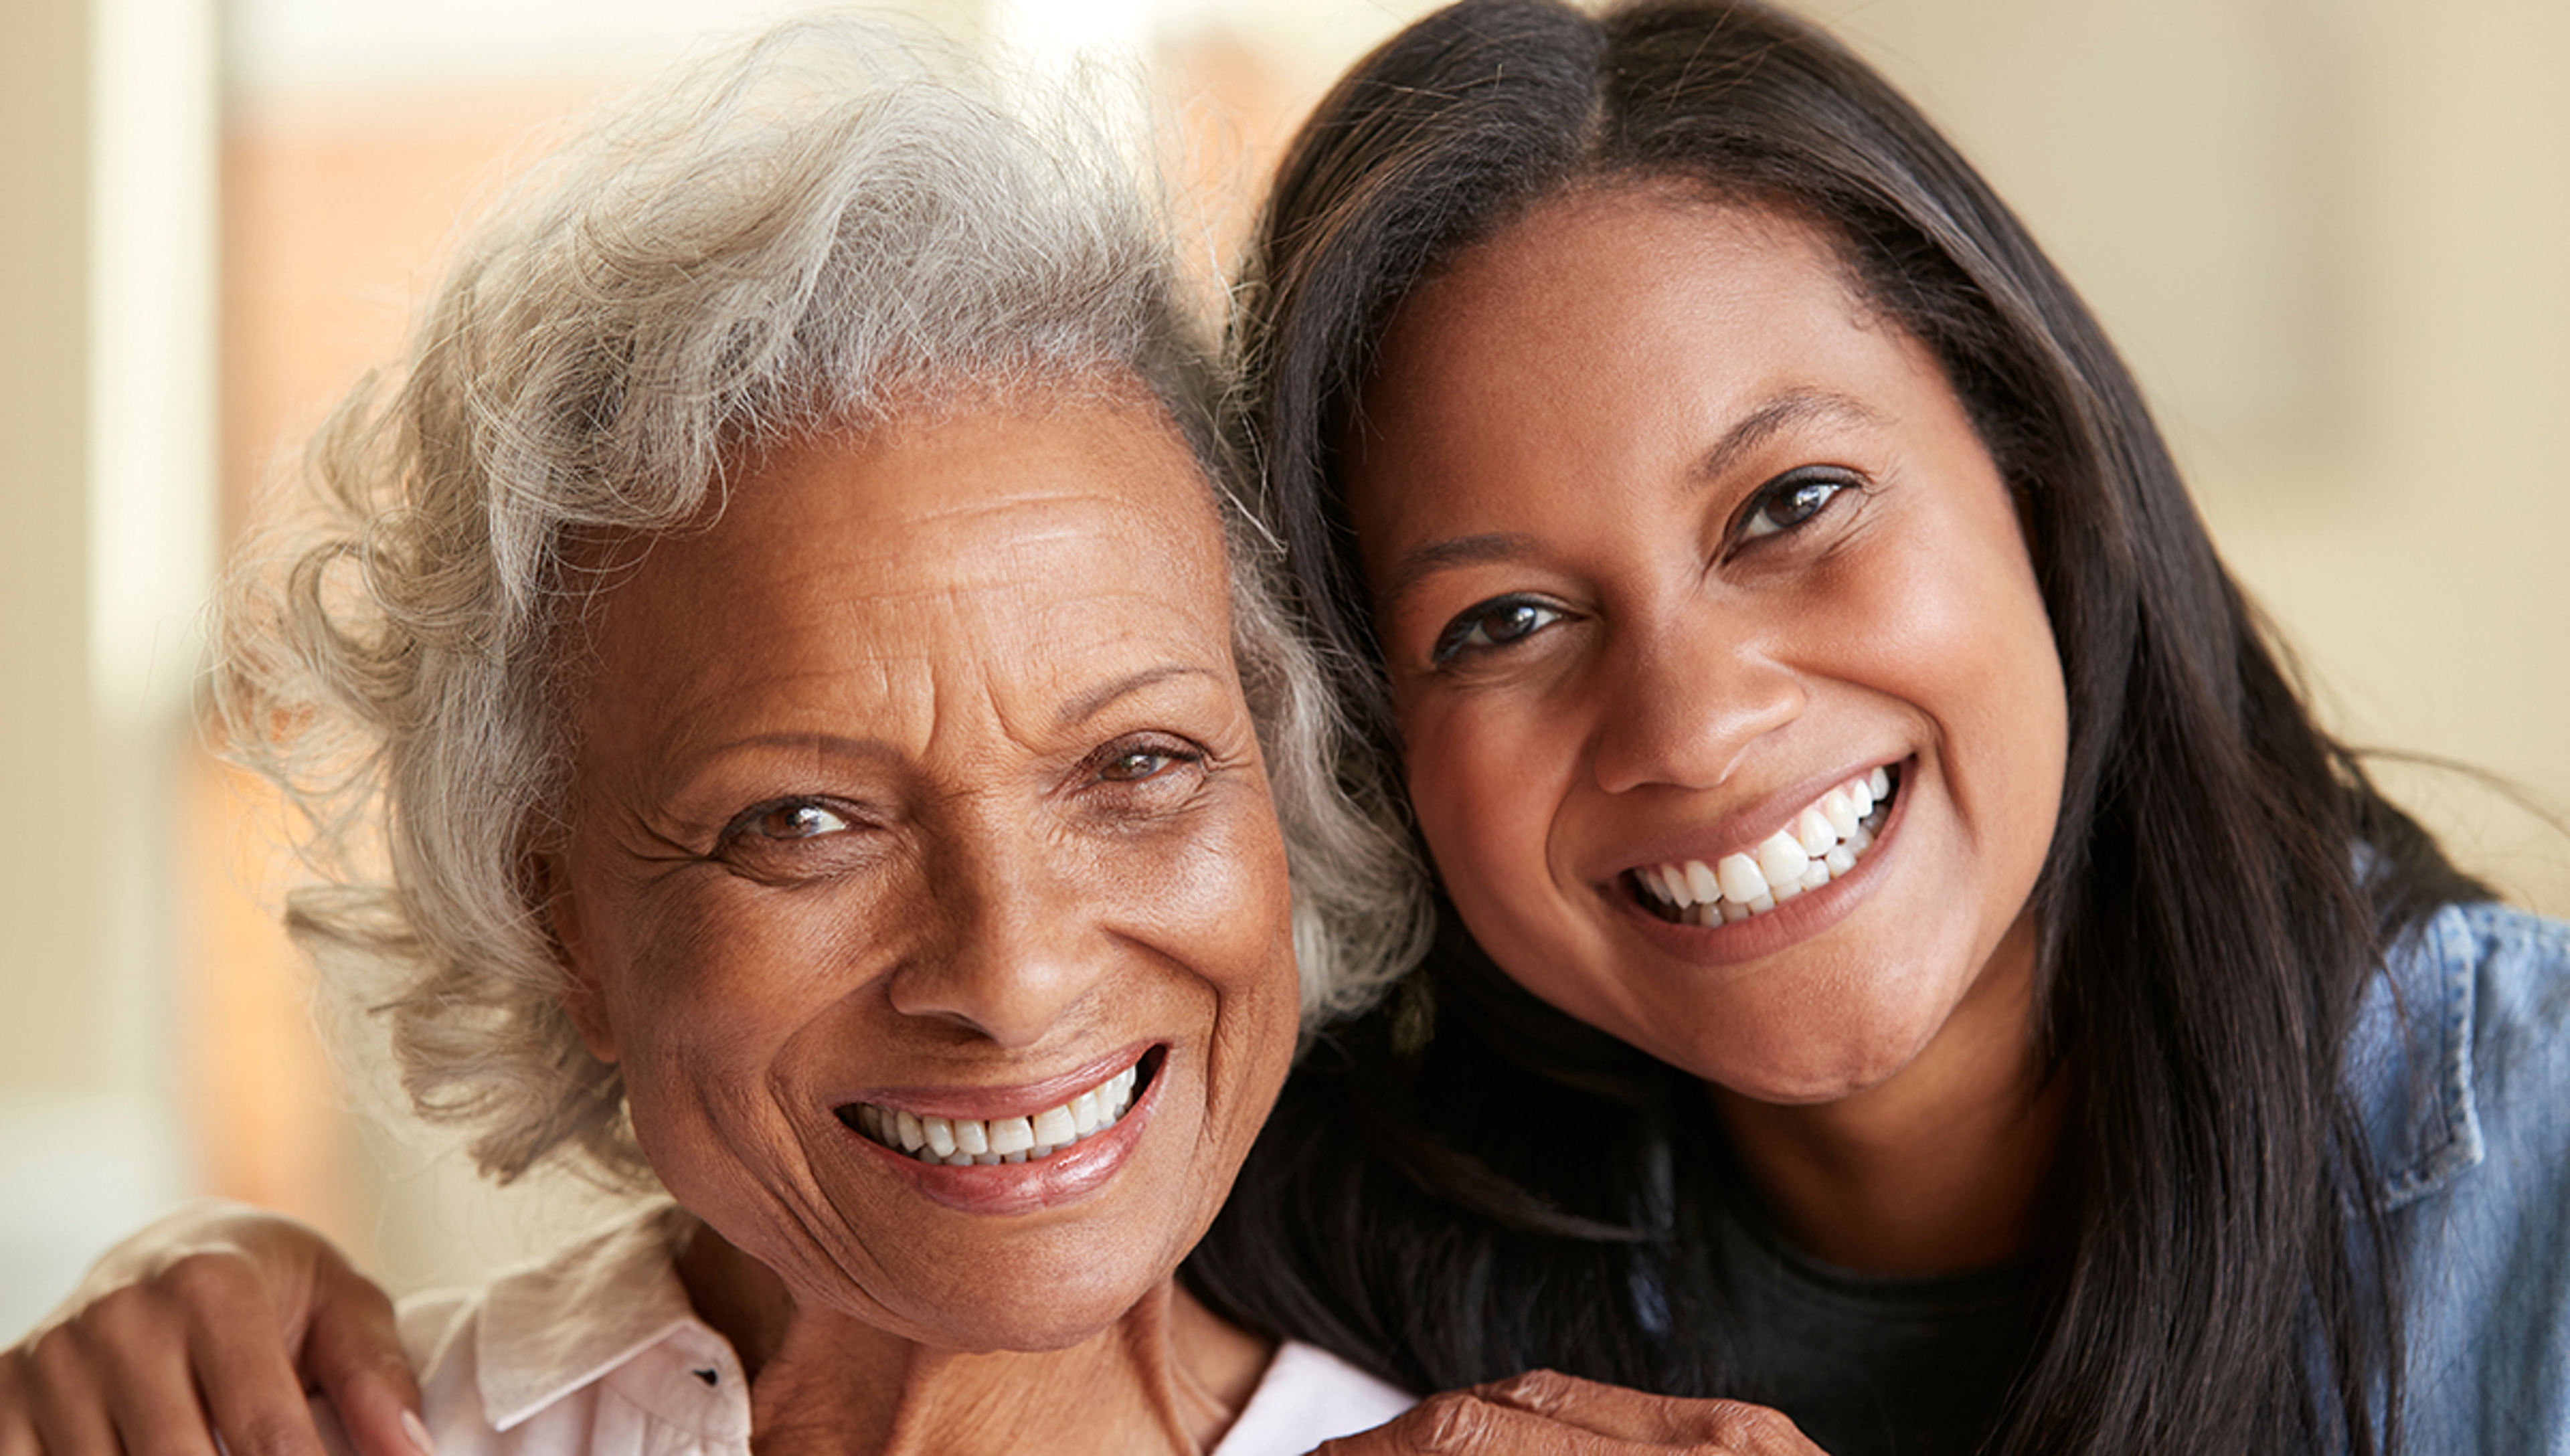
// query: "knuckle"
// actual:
[[1455, 1420], [56, 1361], [267, 1432], [115, 1317], [209, 1280], [1756, 1429], [1539, 1391]]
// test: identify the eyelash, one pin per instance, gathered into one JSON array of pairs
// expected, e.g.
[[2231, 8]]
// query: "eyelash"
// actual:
[[1785, 489], [1168, 754], [1456, 641], [1171, 752], [746, 824]]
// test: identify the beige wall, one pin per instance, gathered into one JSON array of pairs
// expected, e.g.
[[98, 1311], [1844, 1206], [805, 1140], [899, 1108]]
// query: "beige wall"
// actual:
[[51, 1040]]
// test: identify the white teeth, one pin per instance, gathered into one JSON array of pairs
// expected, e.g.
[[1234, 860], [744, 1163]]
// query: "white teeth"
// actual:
[[1817, 846], [1840, 811], [1781, 860], [1055, 1127], [960, 1142], [1742, 881]]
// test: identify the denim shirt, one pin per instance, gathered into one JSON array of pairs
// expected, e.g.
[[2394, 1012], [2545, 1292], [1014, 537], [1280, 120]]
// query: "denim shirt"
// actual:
[[2460, 1066]]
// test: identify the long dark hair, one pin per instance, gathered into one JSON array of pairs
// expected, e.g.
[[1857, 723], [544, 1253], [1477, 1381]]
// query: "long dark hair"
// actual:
[[2222, 881]]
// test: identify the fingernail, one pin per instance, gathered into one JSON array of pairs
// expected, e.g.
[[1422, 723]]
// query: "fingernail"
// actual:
[[418, 1435]]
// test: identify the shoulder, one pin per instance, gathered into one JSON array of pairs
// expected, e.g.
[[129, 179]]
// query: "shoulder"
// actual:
[[1308, 1396], [2463, 1071], [2461, 1033], [594, 1351]]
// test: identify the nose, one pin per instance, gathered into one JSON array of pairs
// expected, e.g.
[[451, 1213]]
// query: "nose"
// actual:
[[1680, 707], [1017, 944]]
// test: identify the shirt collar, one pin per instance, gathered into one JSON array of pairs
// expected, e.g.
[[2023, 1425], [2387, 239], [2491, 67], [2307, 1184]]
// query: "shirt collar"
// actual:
[[2409, 1061], [550, 1329]]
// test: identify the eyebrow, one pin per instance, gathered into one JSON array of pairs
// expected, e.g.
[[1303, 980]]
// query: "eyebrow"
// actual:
[[1773, 417], [1099, 700], [1792, 407]]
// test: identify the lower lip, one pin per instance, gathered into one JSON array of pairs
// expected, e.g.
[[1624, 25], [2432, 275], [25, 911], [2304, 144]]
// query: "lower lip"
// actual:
[[1065, 1175], [1788, 925]]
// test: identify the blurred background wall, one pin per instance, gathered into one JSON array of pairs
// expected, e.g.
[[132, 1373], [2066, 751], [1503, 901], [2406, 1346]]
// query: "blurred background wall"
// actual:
[[2334, 235]]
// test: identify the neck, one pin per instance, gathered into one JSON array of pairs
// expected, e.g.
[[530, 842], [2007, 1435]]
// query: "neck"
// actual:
[[1942, 1169], [1166, 1377]]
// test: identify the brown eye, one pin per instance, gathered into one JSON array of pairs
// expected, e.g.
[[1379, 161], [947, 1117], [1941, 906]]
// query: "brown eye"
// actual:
[[1789, 502], [1141, 760], [1493, 624], [799, 819], [1135, 765]]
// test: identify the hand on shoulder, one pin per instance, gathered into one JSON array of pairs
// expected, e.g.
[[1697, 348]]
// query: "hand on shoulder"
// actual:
[[254, 1310], [1545, 1413]]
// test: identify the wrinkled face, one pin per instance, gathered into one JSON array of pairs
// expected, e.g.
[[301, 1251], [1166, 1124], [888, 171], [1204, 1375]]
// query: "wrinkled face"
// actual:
[[923, 880], [1730, 710]]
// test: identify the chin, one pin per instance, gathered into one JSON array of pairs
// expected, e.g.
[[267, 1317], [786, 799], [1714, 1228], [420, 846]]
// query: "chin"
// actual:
[[1812, 1067], [1049, 1297]]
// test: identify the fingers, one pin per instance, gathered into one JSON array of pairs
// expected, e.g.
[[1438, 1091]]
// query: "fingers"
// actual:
[[205, 1323], [250, 1386], [1636, 1415], [187, 1332], [353, 1354], [59, 1409], [1543, 1413]]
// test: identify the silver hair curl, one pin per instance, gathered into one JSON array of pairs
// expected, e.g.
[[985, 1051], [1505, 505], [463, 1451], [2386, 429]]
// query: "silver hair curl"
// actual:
[[830, 226]]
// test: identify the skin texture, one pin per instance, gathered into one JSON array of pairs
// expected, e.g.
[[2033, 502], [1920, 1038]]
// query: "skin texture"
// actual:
[[1626, 628], [924, 779]]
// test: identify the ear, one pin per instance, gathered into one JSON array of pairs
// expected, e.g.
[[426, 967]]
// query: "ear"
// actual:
[[582, 998]]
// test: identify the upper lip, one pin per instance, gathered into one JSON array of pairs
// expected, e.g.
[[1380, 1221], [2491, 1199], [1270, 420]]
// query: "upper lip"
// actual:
[[1740, 831], [1021, 1099]]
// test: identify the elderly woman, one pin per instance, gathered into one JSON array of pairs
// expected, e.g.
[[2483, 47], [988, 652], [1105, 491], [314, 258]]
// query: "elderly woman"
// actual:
[[780, 633]]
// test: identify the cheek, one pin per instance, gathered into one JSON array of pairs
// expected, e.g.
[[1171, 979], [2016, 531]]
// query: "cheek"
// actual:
[[1962, 635], [1480, 782], [1216, 903]]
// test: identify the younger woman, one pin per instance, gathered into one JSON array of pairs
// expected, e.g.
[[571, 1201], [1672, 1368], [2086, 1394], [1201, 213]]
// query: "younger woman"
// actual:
[[1910, 958]]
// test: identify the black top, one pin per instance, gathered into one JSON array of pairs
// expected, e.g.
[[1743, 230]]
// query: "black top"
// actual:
[[1873, 1364]]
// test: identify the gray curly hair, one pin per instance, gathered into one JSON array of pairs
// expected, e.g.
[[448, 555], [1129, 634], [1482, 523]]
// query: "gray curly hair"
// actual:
[[829, 226]]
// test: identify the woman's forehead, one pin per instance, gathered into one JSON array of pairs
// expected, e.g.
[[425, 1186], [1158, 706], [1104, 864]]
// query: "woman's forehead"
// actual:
[[1019, 552]]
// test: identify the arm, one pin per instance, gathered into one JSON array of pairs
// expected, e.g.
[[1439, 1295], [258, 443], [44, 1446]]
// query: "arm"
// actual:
[[215, 1321], [1542, 1413]]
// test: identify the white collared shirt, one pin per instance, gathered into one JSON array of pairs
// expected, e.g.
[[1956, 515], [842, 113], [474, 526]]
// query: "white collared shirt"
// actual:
[[598, 1353]]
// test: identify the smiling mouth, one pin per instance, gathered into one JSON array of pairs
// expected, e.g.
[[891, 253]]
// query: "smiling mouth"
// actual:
[[1818, 845], [964, 1142]]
